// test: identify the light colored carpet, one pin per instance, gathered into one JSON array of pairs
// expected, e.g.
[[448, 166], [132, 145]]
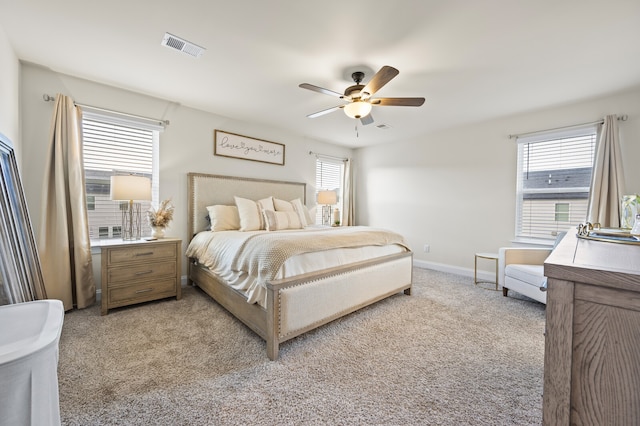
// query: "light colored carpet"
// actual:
[[450, 354]]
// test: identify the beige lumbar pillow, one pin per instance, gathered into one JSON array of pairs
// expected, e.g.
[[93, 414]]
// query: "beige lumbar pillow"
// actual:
[[276, 221], [292, 206]]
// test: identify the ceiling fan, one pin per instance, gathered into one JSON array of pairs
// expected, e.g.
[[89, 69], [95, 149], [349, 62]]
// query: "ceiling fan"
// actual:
[[359, 96]]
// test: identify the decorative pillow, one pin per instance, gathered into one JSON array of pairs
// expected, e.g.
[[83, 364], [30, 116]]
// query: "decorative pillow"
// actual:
[[282, 206], [301, 209], [310, 214], [224, 218], [267, 203], [292, 206], [249, 213], [277, 221]]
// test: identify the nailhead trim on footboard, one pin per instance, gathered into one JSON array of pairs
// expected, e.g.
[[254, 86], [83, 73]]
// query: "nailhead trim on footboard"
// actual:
[[309, 304]]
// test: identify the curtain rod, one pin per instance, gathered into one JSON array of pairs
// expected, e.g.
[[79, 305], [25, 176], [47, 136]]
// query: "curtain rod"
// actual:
[[48, 98], [318, 155], [623, 117]]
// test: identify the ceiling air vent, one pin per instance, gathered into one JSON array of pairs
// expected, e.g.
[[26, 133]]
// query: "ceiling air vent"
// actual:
[[182, 45], [383, 126]]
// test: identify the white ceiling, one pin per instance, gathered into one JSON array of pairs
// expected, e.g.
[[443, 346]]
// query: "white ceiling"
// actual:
[[472, 60]]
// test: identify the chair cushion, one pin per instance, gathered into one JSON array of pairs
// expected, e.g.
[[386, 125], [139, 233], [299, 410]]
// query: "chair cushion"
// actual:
[[531, 274]]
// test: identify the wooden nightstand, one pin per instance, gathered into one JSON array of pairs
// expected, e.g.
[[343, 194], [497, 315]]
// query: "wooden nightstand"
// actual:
[[140, 271]]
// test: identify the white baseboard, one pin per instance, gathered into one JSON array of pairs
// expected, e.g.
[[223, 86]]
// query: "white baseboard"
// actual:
[[443, 267]]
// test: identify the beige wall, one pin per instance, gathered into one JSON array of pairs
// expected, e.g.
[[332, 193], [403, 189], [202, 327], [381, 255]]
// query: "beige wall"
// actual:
[[185, 146], [455, 190], [9, 93]]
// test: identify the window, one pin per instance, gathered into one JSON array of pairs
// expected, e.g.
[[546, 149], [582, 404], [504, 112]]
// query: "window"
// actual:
[[554, 176], [103, 232], [562, 212], [329, 174], [116, 144]]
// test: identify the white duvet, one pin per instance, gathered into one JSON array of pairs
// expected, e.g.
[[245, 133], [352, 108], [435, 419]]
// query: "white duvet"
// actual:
[[222, 251]]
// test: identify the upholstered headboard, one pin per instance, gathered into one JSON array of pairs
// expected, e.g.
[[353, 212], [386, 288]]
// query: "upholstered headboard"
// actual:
[[208, 190]]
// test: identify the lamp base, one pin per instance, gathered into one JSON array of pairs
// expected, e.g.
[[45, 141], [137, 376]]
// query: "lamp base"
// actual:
[[131, 222], [326, 215]]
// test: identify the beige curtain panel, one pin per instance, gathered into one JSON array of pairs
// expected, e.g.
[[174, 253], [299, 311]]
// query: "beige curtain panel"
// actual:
[[607, 181], [348, 202], [64, 245]]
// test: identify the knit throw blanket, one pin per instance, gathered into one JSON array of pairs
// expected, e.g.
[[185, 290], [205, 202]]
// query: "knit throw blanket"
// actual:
[[261, 253]]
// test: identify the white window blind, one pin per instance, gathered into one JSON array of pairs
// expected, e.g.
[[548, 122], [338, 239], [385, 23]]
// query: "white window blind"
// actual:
[[554, 175], [110, 147], [329, 175]]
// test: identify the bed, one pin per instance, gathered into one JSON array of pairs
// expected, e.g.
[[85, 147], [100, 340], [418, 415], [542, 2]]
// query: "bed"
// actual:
[[290, 304]]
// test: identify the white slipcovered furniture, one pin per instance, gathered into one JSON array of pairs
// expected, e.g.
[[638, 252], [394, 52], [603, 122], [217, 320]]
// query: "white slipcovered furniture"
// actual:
[[521, 269]]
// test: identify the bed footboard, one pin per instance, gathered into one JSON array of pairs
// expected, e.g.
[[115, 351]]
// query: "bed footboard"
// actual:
[[302, 303]]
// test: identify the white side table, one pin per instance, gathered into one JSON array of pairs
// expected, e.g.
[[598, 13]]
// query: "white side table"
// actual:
[[489, 256]]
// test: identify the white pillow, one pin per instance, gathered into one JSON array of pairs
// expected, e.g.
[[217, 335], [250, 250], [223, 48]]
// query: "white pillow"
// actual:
[[250, 216], [293, 206], [310, 214], [282, 206], [301, 209], [224, 218], [267, 203], [250, 212], [277, 221]]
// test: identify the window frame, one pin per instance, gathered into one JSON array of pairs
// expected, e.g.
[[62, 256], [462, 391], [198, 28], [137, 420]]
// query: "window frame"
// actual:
[[121, 121], [583, 140], [329, 181]]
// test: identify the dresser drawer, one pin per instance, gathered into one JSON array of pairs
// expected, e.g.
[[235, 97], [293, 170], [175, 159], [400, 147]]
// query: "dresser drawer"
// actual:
[[150, 252], [143, 291], [142, 272]]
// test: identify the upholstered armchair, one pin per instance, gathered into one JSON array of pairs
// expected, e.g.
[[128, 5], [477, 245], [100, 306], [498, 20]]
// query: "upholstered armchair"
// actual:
[[521, 269]]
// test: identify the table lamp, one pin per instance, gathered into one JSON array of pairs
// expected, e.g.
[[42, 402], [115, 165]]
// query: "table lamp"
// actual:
[[327, 199], [130, 188]]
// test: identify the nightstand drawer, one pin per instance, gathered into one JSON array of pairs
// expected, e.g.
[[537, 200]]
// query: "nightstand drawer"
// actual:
[[141, 253], [142, 272], [145, 291]]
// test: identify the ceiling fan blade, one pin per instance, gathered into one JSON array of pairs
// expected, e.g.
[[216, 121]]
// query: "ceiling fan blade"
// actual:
[[398, 101], [320, 90], [382, 77], [367, 119], [324, 111]]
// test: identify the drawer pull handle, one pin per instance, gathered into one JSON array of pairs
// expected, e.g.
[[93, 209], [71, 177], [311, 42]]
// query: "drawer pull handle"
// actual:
[[149, 253], [144, 272], [146, 290]]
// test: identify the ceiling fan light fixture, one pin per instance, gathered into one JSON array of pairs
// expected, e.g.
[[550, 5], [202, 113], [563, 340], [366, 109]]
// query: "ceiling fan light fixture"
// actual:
[[357, 109]]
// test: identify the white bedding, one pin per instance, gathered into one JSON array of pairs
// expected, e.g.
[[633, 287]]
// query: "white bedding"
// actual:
[[219, 252]]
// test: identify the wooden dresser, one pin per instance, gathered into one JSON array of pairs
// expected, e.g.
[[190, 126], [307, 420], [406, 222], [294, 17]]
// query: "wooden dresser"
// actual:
[[140, 271], [592, 345]]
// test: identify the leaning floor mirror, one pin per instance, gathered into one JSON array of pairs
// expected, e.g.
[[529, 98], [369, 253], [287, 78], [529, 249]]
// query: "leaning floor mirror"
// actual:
[[20, 273]]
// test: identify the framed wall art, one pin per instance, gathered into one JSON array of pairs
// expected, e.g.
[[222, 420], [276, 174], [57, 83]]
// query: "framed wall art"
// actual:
[[231, 145]]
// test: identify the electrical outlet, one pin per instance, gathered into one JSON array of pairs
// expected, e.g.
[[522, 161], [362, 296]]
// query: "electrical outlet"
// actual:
[[427, 248]]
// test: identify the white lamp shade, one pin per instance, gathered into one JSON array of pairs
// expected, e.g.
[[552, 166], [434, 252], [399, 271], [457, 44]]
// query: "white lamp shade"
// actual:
[[327, 197], [130, 188], [357, 109]]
